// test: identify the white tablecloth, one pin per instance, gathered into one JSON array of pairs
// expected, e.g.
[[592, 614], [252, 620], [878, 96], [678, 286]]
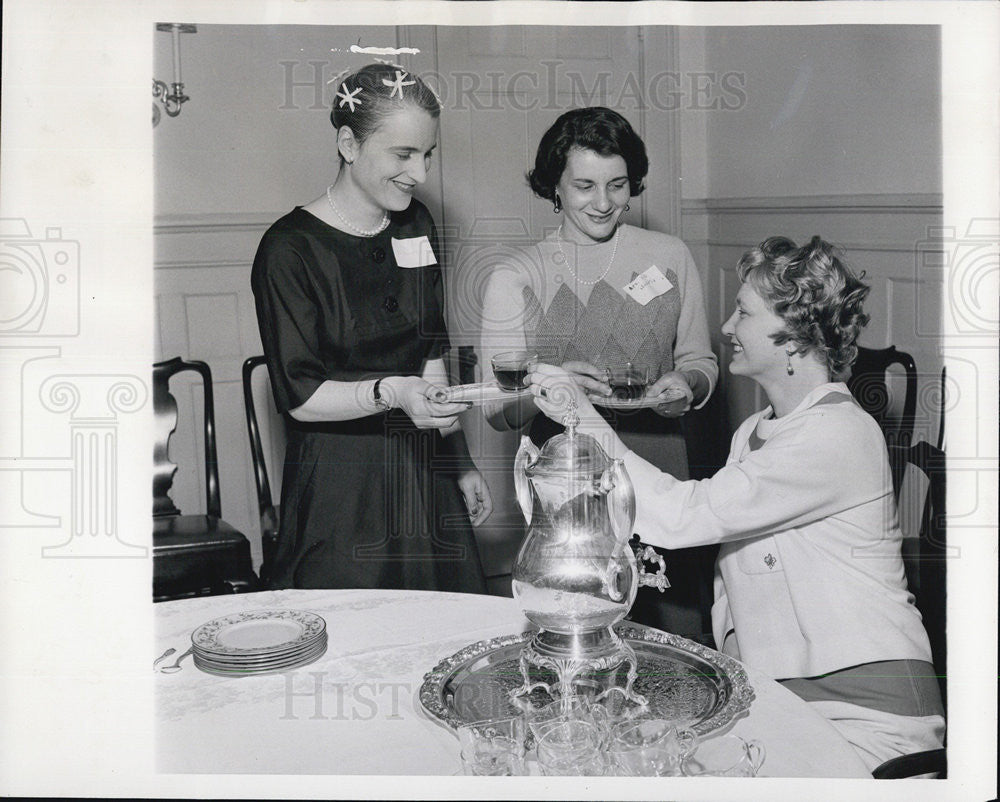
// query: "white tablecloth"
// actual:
[[357, 710]]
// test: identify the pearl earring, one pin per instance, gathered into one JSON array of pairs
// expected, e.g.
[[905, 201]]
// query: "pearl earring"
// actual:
[[557, 204]]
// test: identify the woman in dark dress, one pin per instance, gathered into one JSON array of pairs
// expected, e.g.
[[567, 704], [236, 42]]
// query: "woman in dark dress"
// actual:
[[378, 488]]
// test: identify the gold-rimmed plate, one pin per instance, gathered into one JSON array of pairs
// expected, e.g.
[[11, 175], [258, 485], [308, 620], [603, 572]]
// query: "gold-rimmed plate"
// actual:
[[258, 633], [235, 661], [231, 670]]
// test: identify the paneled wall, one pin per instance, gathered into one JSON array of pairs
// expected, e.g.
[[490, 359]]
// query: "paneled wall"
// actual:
[[829, 110], [838, 134]]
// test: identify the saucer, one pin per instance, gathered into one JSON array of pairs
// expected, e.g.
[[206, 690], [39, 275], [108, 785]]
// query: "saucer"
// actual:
[[480, 393], [636, 403]]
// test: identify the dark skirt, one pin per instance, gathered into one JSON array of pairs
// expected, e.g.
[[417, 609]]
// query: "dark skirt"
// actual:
[[373, 503]]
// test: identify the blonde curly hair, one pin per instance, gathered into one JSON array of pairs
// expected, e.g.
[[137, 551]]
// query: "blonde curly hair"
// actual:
[[816, 295]]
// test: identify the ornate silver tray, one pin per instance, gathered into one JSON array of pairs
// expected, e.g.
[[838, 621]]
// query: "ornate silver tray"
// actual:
[[682, 680]]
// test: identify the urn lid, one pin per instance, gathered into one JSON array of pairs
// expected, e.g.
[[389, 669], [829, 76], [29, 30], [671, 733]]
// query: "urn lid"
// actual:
[[571, 452]]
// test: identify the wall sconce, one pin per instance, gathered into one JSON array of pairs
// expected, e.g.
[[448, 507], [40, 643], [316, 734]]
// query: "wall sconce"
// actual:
[[171, 97]]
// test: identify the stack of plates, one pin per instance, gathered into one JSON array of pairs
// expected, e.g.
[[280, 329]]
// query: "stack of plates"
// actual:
[[258, 641]]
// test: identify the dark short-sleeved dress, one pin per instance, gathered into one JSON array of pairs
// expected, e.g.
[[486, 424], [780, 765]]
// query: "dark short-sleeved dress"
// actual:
[[371, 502]]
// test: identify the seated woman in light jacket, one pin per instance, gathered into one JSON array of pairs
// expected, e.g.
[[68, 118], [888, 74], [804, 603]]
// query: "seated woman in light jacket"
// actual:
[[809, 582]]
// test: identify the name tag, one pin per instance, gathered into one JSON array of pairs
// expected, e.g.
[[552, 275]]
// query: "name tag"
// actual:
[[413, 252], [648, 285]]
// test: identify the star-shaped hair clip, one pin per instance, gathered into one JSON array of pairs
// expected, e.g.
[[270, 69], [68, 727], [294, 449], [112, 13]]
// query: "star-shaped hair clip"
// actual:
[[398, 84], [347, 97]]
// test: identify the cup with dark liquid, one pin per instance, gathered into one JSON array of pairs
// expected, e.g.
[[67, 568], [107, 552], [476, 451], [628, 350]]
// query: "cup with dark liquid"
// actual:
[[511, 369], [628, 382]]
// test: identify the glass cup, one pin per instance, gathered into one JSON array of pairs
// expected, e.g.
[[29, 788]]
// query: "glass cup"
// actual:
[[493, 748], [650, 747], [571, 748], [726, 756], [628, 382], [511, 369], [563, 709]]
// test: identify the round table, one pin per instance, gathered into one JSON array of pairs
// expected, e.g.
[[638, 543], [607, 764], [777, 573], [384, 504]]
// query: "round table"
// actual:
[[356, 710]]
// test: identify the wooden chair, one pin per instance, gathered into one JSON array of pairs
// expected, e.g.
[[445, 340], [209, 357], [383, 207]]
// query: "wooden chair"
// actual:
[[928, 565], [869, 385], [926, 562], [193, 555], [944, 386], [933, 761], [256, 392]]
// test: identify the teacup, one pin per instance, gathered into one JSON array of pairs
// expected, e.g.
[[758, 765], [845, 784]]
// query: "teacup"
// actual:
[[628, 382], [650, 747], [571, 748], [563, 709], [726, 756], [500, 757], [511, 368], [494, 747]]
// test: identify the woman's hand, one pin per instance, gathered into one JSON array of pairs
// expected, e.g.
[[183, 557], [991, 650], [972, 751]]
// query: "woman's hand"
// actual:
[[477, 496], [555, 390], [590, 378], [676, 392], [415, 397]]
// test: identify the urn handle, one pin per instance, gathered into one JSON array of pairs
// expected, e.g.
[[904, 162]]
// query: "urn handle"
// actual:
[[527, 455], [617, 485], [621, 500], [659, 579]]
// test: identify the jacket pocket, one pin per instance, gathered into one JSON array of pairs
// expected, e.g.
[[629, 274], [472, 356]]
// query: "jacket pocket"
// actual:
[[759, 556]]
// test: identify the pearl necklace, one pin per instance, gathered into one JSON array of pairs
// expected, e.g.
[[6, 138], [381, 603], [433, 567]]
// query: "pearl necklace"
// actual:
[[362, 232], [579, 280]]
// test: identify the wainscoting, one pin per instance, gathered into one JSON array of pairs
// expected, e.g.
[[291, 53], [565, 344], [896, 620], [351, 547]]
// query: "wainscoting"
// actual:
[[205, 311]]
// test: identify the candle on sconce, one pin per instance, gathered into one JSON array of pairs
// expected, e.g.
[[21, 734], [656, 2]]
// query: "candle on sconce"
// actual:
[[177, 54], [172, 97]]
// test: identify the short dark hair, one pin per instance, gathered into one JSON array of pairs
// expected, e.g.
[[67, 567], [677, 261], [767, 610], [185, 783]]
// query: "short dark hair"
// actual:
[[377, 100], [594, 128], [816, 295]]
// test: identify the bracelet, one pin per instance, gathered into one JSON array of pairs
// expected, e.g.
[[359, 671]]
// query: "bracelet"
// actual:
[[380, 402]]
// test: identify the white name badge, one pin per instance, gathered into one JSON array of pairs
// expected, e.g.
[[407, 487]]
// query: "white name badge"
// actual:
[[413, 252], [648, 285]]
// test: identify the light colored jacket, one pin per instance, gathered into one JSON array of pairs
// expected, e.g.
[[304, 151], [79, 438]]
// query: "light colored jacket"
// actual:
[[810, 573]]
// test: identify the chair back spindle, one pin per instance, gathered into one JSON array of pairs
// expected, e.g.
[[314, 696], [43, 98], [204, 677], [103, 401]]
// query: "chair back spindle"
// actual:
[[869, 384], [267, 440], [165, 421], [165, 406]]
